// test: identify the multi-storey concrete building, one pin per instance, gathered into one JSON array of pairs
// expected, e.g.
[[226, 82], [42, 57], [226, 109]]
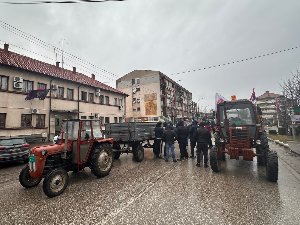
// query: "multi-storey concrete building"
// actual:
[[267, 103], [153, 96], [71, 95]]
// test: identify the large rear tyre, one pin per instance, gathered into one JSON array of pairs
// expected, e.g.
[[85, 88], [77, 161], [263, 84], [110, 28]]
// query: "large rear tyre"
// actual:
[[272, 166], [261, 159], [101, 160], [55, 182], [26, 180], [213, 157], [138, 153], [262, 148]]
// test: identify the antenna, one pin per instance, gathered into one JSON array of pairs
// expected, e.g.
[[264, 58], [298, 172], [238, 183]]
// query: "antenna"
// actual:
[[62, 52]]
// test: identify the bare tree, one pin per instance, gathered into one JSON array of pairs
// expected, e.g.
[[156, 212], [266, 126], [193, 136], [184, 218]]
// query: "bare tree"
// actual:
[[291, 89]]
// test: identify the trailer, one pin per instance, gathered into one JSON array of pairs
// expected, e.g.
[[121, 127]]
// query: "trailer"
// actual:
[[130, 137]]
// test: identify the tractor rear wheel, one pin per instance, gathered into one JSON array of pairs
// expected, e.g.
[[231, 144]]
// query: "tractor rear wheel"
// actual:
[[55, 182], [26, 180], [213, 157], [117, 155], [272, 166], [262, 148], [101, 160], [138, 152]]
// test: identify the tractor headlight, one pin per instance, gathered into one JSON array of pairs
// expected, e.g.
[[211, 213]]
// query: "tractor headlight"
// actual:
[[222, 140], [258, 142], [44, 152]]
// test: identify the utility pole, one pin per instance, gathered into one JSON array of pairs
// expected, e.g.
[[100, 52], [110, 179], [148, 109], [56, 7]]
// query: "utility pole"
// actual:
[[62, 52]]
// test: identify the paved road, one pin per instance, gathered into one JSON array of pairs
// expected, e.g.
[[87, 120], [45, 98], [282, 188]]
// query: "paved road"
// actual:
[[156, 192]]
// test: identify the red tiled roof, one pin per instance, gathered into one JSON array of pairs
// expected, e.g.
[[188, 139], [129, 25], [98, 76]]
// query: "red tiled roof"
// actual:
[[268, 95], [24, 62]]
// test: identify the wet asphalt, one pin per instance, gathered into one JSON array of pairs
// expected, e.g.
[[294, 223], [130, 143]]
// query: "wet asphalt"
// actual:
[[158, 192]]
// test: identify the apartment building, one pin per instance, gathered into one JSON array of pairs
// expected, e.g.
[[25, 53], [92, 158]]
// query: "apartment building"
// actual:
[[71, 95], [154, 96]]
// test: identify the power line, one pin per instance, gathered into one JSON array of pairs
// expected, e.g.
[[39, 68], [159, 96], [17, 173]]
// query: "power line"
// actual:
[[242, 60], [62, 2], [49, 47]]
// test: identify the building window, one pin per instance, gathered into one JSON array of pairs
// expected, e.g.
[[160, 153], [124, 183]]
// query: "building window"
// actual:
[[120, 101], [27, 86], [138, 109], [101, 99], [115, 119], [60, 92], [91, 117], [106, 119], [116, 101], [40, 120], [41, 86], [83, 117], [137, 80], [70, 94], [26, 120], [133, 81], [2, 120], [3, 82], [106, 100], [120, 120], [91, 97], [83, 96]]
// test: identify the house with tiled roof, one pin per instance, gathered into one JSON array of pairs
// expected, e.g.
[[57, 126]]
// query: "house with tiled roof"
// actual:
[[267, 103], [71, 95]]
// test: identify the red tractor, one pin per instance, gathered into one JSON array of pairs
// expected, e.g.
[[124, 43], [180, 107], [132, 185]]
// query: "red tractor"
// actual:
[[82, 144], [238, 132]]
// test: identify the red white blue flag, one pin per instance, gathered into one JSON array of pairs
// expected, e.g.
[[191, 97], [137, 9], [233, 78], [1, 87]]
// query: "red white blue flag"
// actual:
[[39, 93], [277, 106], [253, 97]]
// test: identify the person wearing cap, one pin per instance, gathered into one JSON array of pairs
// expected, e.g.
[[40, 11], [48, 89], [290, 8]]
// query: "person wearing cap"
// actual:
[[169, 136], [157, 147], [203, 139]]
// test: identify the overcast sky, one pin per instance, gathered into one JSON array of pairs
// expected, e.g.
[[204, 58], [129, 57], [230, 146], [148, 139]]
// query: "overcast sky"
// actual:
[[171, 36]]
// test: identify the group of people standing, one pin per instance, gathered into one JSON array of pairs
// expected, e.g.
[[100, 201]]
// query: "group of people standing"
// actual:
[[199, 136]]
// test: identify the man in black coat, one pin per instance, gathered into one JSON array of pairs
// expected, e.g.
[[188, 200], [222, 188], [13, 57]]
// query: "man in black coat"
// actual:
[[158, 140], [169, 137], [203, 138], [182, 133], [192, 130]]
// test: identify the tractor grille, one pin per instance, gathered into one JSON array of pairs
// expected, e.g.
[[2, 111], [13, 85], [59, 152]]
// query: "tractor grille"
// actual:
[[239, 134]]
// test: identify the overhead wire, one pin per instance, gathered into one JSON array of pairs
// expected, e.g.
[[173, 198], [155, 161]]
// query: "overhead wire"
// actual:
[[61, 2]]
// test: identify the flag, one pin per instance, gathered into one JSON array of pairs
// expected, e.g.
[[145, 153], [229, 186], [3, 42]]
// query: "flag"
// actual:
[[253, 97], [39, 93], [219, 98], [277, 106]]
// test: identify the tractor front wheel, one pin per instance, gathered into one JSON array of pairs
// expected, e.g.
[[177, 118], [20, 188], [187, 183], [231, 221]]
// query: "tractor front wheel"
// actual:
[[272, 166], [26, 180], [101, 160], [55, 182], [213, 157]]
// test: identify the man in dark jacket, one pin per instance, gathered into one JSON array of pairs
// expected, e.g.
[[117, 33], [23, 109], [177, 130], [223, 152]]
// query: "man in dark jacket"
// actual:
[[203, 138], [169, 136], [192, 130], [182, 133], [158, 140]]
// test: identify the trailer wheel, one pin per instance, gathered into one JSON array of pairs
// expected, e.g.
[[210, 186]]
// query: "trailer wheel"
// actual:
[[101, 160], [272, 166], [26, 180], [55, 182], [138, 153], [117, 155], [215, 164]]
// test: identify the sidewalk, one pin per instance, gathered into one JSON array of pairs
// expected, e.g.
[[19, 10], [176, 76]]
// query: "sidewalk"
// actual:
[[295, 148]]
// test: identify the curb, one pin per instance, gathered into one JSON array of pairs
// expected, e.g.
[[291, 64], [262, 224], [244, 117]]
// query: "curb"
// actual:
[[283, 145]]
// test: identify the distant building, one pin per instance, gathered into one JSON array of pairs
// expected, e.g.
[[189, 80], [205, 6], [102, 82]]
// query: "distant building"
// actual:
[[267, 103], [154, 96], [71, 95]]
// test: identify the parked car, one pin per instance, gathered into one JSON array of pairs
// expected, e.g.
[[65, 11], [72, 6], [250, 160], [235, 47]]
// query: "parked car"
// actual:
[[13, 149]]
